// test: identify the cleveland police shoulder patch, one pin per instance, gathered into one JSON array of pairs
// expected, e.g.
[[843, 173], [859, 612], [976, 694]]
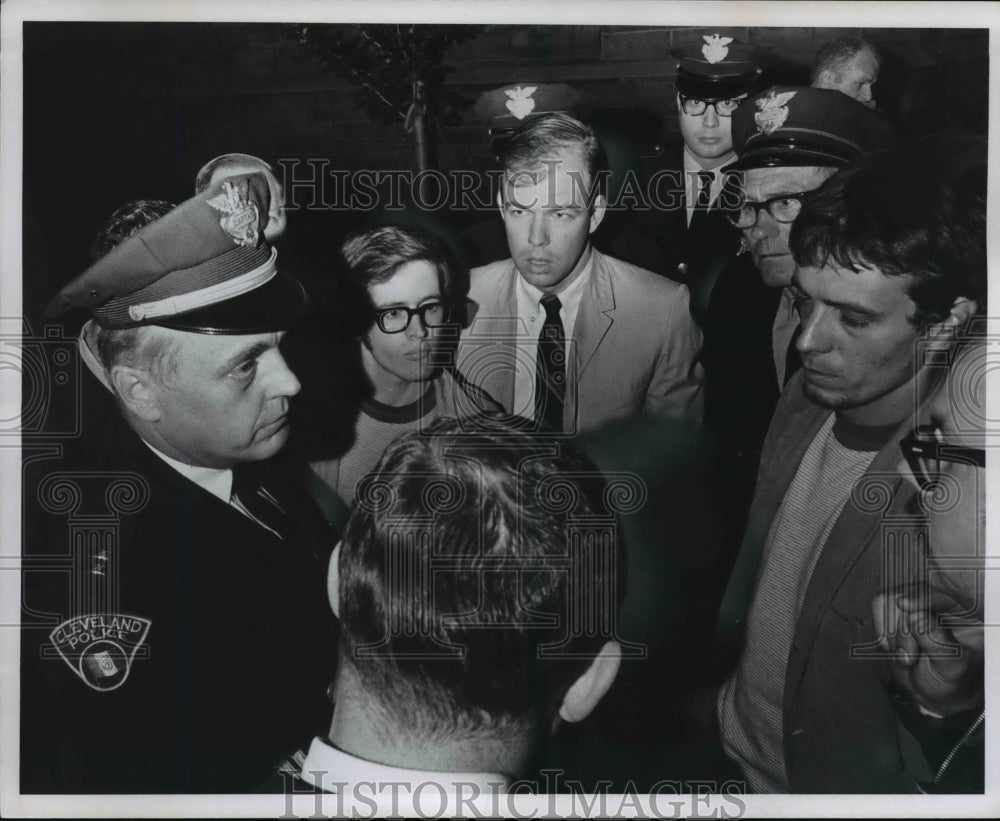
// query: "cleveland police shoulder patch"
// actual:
[[241, 218], [100, 648]]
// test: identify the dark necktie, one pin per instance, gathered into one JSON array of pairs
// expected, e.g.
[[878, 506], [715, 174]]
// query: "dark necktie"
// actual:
[[550, 369], [704, 197], [792, 359], [258, 502]]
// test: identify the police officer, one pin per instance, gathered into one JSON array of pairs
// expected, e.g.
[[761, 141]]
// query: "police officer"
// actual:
[[789, 140], [181, 609], [714, 76]]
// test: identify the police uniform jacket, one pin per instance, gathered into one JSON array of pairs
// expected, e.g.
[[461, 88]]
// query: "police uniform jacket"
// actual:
[[695, 254], [169, 642]]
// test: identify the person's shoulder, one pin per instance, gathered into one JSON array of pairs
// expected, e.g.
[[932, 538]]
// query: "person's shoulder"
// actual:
[[639, 281], [491, 271], [487, 280]]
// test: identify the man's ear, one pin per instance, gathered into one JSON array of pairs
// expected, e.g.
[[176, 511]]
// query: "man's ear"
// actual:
[[827, 79], [583, 696], [500, 203], [333, 580], [680, 109], [137, 390], [597, 212], [962, 310]]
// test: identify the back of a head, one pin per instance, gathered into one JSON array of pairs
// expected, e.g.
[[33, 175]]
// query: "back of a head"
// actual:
[[833, 55], [917, 211], [480, 575]]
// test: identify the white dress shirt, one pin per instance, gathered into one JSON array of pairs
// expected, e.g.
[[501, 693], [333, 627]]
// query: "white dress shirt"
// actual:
[[531, 317], [692, 183], [335, 771]]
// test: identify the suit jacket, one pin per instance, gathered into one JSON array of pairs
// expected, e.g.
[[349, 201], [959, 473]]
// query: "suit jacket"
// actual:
[[169, 642], [841, 728], [635, 348], [694, 255]]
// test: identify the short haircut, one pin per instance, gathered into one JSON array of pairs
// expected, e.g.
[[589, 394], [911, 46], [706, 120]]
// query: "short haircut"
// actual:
[[833, 55], [468, 563], [917, 211], [373, 256], [124, 222], [204, 178], [538, 140], [137, 347]]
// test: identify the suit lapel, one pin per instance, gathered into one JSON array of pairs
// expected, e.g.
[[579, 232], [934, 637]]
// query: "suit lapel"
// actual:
[[850, 537], [798, 426], [593, 321], [495, 325]]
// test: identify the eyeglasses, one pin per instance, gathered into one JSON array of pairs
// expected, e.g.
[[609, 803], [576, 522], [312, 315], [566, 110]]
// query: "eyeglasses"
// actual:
[[397, 320], [924, 454], [694, 107], [782, 209]]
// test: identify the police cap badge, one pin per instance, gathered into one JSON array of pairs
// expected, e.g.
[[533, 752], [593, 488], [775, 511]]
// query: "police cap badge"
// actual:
[[791, 125], [203, 267]]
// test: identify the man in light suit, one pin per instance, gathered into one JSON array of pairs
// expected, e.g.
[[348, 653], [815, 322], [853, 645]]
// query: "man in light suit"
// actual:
[[561, 333]]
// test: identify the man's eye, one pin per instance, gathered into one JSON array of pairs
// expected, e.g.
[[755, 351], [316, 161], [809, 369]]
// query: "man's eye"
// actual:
[[393, 314], [245, 370], [854, 321]]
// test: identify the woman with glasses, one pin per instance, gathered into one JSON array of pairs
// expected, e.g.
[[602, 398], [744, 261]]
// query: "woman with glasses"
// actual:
[[409, 277]]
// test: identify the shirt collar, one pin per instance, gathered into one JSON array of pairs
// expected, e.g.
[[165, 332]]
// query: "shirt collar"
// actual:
[[333, 770], [217, 481]]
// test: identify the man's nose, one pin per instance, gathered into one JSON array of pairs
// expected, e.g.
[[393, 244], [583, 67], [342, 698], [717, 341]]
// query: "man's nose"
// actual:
[[537, 235], [710, 119], [814, 337], [283, 381], [416, 329], [765, 227]]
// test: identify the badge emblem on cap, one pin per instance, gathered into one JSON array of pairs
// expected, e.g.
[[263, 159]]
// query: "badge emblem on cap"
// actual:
[[716, 47], [100, 648], [520, 103], [241, 218], [773, 111]]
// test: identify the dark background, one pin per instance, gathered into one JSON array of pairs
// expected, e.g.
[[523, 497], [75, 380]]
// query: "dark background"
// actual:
[[120, 111]]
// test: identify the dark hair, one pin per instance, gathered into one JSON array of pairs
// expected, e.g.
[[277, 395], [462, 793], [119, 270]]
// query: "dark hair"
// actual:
[[204, 177], [124, 222], [918, 211], [480, 575], [373, 256], [538, 140], [832, 56]]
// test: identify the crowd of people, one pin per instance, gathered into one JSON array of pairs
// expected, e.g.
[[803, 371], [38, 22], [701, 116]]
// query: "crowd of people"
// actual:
[[434, 599]]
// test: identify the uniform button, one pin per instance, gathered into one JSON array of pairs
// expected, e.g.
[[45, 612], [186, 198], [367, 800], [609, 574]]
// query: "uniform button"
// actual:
[[682, 267]]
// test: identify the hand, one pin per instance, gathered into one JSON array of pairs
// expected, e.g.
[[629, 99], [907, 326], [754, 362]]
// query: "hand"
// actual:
[[939, 666]]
